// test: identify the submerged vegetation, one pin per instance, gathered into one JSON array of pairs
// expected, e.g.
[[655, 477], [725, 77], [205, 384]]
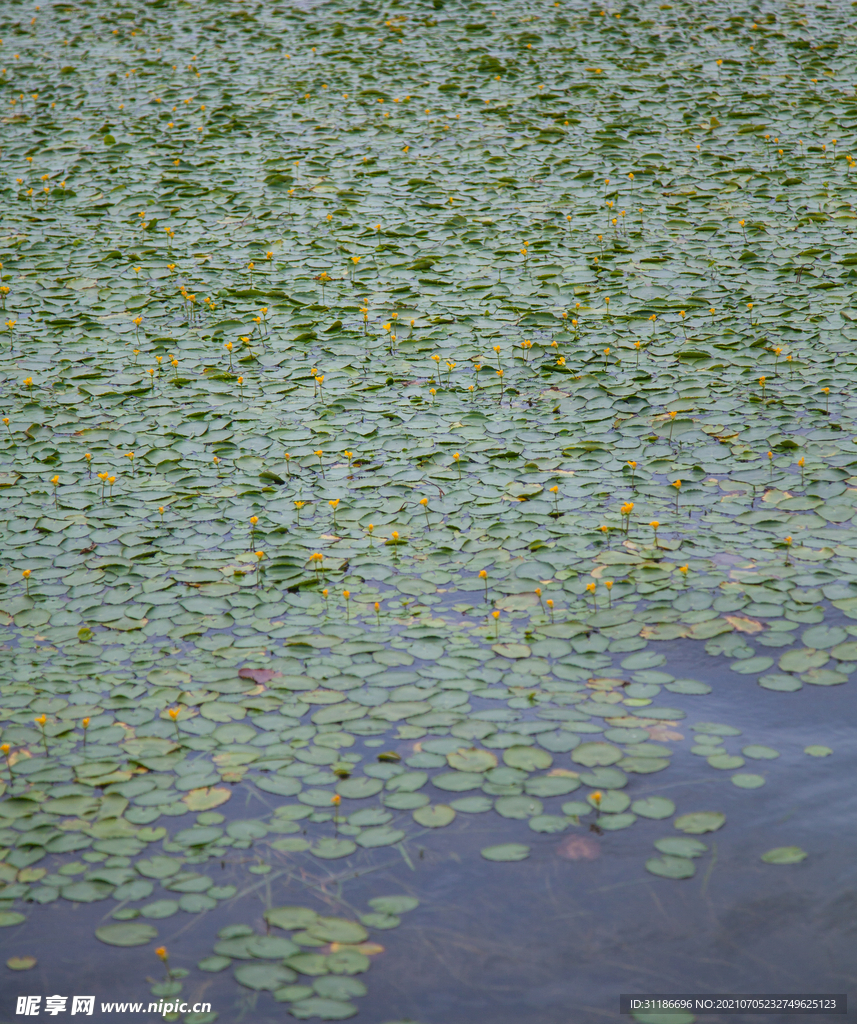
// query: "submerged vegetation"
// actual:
[[386, 394]]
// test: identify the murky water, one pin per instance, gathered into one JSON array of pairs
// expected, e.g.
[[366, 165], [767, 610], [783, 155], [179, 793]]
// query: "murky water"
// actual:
[[557, 937]]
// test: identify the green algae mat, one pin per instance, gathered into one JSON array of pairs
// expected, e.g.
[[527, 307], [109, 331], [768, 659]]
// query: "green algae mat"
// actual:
[[387, 394]]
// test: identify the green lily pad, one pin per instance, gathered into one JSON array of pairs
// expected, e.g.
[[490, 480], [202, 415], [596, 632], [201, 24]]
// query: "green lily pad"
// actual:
[[434, 816], [87, 892], [681, 846], [359, 787], [780, 682], [596, 754], [160, 909], [264, 977], [520, 807], [126, 934], [759, 752], [214, 964], [528, 759], [549, 823], [747, 780], [21, 963], [700, 821], [325, 1009], [671, 867], [381, 836], [472, 804], [338, 929], [329, 848], [394, 904], [725, 761], [506, 852], [473, 760], [785, 855], [656, 807], [290, 918], [458, 782], [817, 751]]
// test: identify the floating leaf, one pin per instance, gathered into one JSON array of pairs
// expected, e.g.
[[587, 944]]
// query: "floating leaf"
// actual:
[[290, 918], [817, 751], [681, 846], [394, 904], [700, 821], [785, 855], [472, 760], [671, 867], [434, 816], [264, 977], [128, 934], [596, 754], [656, 807], [381, 836], [21, 963], [506, 852], [329, 848], [325, 1009], [205, 798], [747, 780]]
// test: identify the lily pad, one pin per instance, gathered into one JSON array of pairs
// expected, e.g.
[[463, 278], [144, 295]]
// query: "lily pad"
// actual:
[[528, 759], [700, 821], [785, 855], [21, 963], [656, 807], [394, 904], [264, 977], [381, 836], [329, 848], [596, 754], [325, 1009], [506, 852], [747, 780], [472, 760], [671, 867], [130, 933], [434, 816], [681, 846]]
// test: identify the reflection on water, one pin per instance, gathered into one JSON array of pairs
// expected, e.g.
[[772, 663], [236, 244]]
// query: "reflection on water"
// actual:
[[557, 937]]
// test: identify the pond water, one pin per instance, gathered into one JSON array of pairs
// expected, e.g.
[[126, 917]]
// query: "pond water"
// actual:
[[428, 477], [577, 922]]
